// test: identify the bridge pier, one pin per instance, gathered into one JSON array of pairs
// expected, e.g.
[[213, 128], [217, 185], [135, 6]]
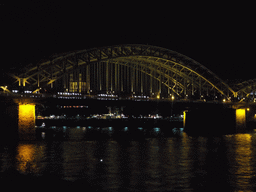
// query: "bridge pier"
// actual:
[[210, 121], [26, 121], [215, 120], [240, 119], [20, 118]]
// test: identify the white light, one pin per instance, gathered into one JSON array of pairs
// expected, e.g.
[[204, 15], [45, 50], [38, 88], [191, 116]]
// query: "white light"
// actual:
[[43, 135], [156, 129]]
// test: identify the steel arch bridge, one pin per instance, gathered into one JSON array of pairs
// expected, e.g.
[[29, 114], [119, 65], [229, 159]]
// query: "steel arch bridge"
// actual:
[[130, 68]]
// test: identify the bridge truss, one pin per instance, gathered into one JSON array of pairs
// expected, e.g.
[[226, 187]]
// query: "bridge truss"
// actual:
[[246, 89], [132, 69]]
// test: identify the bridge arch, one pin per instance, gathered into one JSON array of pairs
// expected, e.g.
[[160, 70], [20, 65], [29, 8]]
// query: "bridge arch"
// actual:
[[146, 67]]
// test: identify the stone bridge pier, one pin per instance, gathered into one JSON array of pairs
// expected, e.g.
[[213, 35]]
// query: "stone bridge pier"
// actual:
[[215, 120], [19, 115]]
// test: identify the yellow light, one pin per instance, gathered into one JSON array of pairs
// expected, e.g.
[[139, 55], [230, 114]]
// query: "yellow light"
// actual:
[[184, 119], [224, 100], [173, 97], [26, 122], [25, 157], [158, 96], [29, 157], [243, 154], [248, 109], [240, 118]]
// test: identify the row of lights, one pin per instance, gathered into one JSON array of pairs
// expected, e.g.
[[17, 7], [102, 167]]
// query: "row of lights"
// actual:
[[67, 93], [74, 106], [140, 96], [106, 95]]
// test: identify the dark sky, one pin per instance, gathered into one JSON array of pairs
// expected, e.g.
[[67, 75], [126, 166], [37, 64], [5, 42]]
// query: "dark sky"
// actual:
[[222, 36]]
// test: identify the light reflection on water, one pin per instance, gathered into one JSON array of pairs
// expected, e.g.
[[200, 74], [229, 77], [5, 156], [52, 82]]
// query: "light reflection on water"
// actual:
[[30, 157], [182, 163]]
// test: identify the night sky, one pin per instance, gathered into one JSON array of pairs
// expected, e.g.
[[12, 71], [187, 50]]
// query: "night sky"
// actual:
[[220, 36]]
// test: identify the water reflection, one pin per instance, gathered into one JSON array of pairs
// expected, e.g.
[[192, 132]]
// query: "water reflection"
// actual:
[[182, 163], [243, 155], [30, 158]]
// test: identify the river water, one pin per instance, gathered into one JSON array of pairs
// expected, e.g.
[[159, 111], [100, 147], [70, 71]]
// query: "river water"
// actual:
[[155, 163]]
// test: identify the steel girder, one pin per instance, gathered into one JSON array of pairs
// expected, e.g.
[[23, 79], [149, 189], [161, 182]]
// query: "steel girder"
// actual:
[[186, 75], [165, 59], [246, 87]]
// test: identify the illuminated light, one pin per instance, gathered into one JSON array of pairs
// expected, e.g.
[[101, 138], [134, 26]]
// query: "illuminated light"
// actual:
[[25, 157], [248, 109], [156, 129], [28, 156], [43, 135], [224, 100], [240, 118], [173, 97], [244, 152], [26, 121], [184, 119], [158, 96]]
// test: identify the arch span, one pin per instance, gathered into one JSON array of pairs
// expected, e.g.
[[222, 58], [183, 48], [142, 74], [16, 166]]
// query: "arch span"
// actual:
[[134, 67]]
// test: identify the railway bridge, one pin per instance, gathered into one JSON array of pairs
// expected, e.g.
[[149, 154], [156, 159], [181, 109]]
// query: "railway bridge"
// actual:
[[126, 72]]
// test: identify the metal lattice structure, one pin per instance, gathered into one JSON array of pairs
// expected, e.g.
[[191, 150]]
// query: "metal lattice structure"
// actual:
[[131, 68], [246, 88]]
